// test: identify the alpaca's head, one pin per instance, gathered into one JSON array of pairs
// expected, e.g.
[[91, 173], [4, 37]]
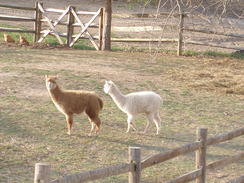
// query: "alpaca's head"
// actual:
[[108, 86], [51, 82]]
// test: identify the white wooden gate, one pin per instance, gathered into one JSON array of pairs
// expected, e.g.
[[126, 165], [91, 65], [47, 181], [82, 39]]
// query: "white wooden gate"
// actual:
[[73, 20]]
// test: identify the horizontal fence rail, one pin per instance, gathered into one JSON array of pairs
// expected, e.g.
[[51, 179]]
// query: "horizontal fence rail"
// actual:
[[181, 29], [214, 32], [133, 165], [16, 30], [16, 7], [16, 18], [96, 174], [161, 157]]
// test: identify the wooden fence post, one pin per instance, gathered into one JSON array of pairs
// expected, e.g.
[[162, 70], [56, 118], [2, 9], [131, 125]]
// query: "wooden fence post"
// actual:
[[38, 23], [135, 157], [42, 173], [70, 27], [201, 154], [101, 21], [107, 26], [180, 39]]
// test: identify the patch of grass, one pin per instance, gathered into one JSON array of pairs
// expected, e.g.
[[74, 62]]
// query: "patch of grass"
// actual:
[[28, 36], [52, 40], [237, 55], [83, 45]]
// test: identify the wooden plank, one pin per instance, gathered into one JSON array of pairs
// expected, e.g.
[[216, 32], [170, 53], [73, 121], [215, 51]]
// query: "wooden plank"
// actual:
[[135, 158], [86, 13], [85, 28], [225, 161], [142, 40], [90, 26], [106, 42], [53, 10], [214, 45], [137, 28], [144, 15], [16, 18], [186, 177], [17, 7], [214, 32], [52, 25], [42, 173], [180, 35], [201, 154], [225, 137], [95, 37], [70, 27], [74, 24], [38, 23], [101, 21], [96, 174], [164, 156], [16, 30]]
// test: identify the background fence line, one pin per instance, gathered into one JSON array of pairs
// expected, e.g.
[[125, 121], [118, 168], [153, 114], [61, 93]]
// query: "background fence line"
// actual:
[[38, 20], [135, 166]]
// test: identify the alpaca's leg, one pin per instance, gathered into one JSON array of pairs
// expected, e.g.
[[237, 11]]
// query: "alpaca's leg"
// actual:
[[97, 123], [130, 123], [149, 120], [92, 126], [94, 119], [157, 121], [69, 120]]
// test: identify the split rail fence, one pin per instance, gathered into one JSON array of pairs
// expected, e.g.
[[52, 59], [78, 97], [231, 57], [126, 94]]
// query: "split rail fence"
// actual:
[[41, 16], [135, 165], [181, 29]]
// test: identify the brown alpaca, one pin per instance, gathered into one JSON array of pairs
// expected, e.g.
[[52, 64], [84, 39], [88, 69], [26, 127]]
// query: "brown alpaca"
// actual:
[[71, 102], [23, 41], [8, 38]]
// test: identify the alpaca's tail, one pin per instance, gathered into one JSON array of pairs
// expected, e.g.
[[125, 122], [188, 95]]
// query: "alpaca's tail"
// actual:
[[100, 102]]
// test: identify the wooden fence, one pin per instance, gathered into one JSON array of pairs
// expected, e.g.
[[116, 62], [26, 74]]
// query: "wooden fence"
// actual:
[[41, 16], [135, 165], [181, 29]]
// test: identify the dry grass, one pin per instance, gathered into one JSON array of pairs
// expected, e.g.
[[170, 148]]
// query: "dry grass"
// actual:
[[32, 130]]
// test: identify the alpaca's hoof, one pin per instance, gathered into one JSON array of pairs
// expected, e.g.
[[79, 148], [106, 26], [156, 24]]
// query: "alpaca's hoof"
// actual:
[[68, 133]]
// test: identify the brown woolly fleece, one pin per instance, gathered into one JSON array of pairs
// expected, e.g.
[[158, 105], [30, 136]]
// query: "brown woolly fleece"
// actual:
[[23, 41], [8, 38], [71, 102]]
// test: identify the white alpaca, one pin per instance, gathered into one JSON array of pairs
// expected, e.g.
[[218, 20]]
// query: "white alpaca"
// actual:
[[132, 104]]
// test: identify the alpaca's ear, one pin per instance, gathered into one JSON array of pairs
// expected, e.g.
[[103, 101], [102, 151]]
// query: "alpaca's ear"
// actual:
[[106, 82], [110, 82]]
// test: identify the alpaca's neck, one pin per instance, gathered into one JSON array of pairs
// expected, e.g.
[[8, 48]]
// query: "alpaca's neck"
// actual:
[[56, 93], [117, 97]]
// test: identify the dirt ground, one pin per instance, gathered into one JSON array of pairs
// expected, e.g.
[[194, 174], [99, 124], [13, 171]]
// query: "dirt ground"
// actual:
[[197, 92]]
